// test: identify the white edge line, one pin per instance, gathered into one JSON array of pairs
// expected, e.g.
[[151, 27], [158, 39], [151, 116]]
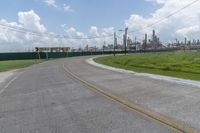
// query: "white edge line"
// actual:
[[153, 76], [10, 82]]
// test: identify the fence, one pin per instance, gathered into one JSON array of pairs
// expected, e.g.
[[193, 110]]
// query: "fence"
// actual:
[[45, 55]]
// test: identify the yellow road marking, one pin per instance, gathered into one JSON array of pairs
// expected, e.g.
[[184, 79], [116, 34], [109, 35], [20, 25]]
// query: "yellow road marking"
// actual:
[[177, 127]]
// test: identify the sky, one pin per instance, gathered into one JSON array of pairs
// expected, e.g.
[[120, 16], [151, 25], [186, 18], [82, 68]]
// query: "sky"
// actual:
[[83, 18]]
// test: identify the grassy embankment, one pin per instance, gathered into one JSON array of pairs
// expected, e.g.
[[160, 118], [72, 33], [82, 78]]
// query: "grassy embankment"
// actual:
[[176, 64], [16, 64]]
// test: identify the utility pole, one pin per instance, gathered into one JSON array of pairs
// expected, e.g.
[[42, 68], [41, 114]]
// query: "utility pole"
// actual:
[[115, 42], [135, 43], [47, 56], [125, 39], [104, 45]]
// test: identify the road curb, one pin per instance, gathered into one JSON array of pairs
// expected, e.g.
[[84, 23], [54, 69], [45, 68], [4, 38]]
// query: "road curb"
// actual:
[[148, 75]]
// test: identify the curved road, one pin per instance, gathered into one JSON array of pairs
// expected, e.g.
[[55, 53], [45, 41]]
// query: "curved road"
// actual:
[[45, 99]]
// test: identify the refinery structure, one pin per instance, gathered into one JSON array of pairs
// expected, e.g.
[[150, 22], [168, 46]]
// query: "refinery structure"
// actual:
[[148, 43]]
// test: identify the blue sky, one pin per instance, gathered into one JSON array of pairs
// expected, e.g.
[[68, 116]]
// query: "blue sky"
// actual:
[[87, 13], [83, 18]]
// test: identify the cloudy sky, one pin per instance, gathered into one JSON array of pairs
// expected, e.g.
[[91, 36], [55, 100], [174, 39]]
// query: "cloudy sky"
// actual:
[[86, 18]]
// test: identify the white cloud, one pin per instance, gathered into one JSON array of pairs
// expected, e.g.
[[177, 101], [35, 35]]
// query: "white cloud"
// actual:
[[106, 33], [31, 20], [28, 20], [188, 31], [9, 37], [94, 31], [63, 7], [157, 1], [62, 25], [15, 41], [72, 33], [11, 40], [184, 24], [67, 8], [51, 3]]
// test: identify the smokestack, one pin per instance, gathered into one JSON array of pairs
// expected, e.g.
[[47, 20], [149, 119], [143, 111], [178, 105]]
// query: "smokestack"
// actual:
[[153, 35]]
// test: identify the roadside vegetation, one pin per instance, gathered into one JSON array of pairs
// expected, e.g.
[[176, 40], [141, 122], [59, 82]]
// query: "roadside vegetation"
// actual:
[[176, 64], [16, 64]]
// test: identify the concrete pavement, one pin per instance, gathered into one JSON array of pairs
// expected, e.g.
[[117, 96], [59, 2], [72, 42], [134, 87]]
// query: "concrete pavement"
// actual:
[[43, 99], [5, 75], [176, 101]]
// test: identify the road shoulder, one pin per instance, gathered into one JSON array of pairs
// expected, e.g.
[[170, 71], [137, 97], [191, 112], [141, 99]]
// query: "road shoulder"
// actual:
[[153, 76]]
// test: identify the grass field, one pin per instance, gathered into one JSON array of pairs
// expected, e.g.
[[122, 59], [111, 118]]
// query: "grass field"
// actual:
[[15, 64], [176, 64]]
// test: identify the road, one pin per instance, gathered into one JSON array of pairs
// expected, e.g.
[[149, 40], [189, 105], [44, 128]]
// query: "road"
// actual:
[[44, 98]]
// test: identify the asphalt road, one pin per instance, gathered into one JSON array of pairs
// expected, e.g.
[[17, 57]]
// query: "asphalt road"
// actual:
[[44, 99]]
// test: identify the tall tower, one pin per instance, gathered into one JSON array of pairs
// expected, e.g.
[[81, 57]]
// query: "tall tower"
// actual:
[[154, 39], [185, 40], [154, 35], [145, 42]]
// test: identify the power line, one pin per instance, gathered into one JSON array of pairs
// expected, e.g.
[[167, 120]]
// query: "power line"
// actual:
[[25, 31], [170, 15], [89, 37], [39, 34], [18, 30]]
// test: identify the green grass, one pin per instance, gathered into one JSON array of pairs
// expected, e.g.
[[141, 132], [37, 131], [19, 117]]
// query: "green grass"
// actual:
[[16, 64], [176, 64]]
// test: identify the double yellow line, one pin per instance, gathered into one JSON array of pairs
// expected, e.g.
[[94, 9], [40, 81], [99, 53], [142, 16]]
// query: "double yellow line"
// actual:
[[175, 126]]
